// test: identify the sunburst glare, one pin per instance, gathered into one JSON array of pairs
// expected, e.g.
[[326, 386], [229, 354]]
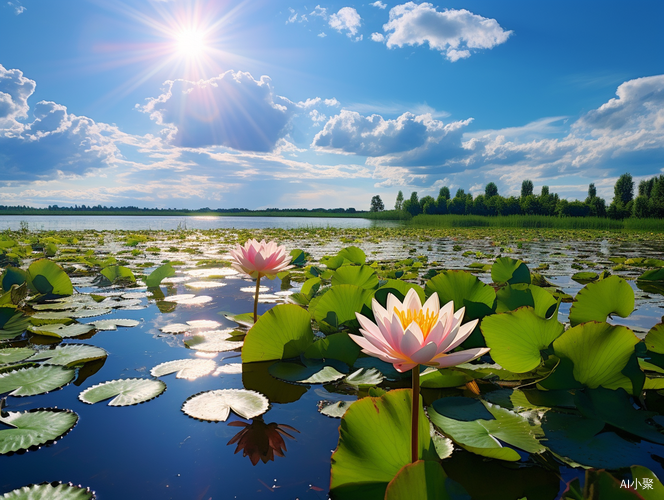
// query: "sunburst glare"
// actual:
[[190, 43]]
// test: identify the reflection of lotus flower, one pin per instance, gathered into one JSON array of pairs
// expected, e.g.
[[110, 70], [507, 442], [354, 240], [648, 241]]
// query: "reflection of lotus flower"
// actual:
[[260, 259], [409, 334], [261, 441]]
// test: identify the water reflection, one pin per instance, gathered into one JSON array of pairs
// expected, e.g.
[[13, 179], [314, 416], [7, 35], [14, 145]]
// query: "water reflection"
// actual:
[[261, 441]]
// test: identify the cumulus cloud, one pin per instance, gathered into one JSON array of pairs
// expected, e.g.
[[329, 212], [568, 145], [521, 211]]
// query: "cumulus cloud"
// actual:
[[377, 37], [408, 139], [232, 110], [379, 4], [453, 32], [52, 142], [346, 19]]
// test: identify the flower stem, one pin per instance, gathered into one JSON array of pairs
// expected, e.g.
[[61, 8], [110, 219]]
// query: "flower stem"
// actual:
[[414, 422], [258, 285]]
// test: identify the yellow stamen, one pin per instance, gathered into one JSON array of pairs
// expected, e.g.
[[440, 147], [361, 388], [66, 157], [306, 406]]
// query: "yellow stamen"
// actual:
[[426, 322]]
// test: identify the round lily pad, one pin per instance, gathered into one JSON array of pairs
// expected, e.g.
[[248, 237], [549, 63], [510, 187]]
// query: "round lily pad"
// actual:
[[125, 392], [34, 428], [213, 341], [50, 491], [14, 354], [113, 324], [70, 354], [189, 369], [215, 406], [35, 380], [62, 331]]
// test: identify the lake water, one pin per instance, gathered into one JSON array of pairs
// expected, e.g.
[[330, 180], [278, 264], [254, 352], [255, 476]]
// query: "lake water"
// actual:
[[141, 222]]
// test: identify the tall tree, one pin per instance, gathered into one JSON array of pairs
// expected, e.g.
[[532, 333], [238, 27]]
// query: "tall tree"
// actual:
[[377, 204], [592, 191], [526, 188], [399, 204], [545, 191], [624, 189], [490, 190], [444, 193]]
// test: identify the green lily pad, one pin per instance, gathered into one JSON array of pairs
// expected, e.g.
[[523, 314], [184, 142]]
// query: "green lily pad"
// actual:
[[334, 410], [362, 276], [433, 378], [374, 444], [70, 354], [113, 324], [481, 435], [215, 406], [12, 323], [213, 341], [14, 354], [50, 491], [34, 428], [118, 273], [156, 276], [585, 277], [652, 275], [48, 278], [283, 332], [315, 373], [13, 276], [338, 306], [592, 355], [655, 339], [424, 480], [466, 290], [596, 301], [62, 331], [35, 380], [511, 297], [188, 369], [335, 346], [508, 270], [353, 254], [125, 392], [365, 377], [516, 338]]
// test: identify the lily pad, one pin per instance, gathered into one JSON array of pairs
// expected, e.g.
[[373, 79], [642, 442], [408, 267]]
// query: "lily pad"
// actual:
[[70, 354], [14, 354], [314, 373], [189, 369], [213, 341], [597, 300], [365, 377], [374, 444], [424, 480], [50, 491], [353, 254], [34, 428], [362, 276], [159, 274], [466, 290], [35, 380], [516, 338], [215, 406], [511, 297], [62, 331], [334, 410], [335, 346], [283, 332], [125, 392], [337, 307], [118, 274], [399, 289], [508, 270], [655, 339], [48, 278], [113, 324]]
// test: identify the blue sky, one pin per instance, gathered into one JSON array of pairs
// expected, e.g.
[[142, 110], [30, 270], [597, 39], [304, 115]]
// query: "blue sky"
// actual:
[[291, 104]]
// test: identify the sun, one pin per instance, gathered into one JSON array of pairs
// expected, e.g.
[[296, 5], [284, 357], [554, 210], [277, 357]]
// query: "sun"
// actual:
[[190, 43]]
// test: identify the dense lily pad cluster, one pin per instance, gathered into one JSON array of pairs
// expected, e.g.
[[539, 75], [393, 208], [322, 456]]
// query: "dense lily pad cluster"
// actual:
[[574, 390]]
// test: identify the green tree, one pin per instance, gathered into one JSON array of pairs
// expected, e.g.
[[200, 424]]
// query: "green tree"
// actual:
[[428, 205], [545, 191], [377, 204], [592, 191], [490, 190], [412, 205], [526, 188], [399, 203], [444, 193], [624, 189]]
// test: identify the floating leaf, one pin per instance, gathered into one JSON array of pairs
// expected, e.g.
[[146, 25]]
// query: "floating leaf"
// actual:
[[229, 369], [70, 354], [314, 373], [125, 392], [592, 355], [176, 328], [364, 378], [15, 354], [362, 276], [482, 435], [189, 299], [424, 480], [12, 322], [34, 428], [334, 410], [203, 323], [215, 406], [516, 338], [113, 324], [511, 297], [399, 289], [374, 444], [48, 278], [118, 273], [213, 341], [50, 491], [508, 270], [338, 306], [13, 276], [35, 380], [353, 254], [159, 274], [466, 290], [655, 339], [433, 378], [335, 346], [189, 369], [596, 301], [62, 331], [283, 332]]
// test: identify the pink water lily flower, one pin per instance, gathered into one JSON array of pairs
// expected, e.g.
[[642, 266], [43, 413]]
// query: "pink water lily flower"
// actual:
[[260, 259], [409, 334]]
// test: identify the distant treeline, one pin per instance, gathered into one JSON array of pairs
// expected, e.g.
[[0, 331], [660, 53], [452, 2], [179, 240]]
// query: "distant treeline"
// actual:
[[648, 204], [131, 210]]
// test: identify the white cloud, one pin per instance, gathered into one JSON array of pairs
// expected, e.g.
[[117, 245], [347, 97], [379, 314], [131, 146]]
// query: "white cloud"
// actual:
[[322, 34], [319, 11], [317, 117], [232, 110], [292, 17], [346, 19], [379, 4], [377, 37], [453, 32]]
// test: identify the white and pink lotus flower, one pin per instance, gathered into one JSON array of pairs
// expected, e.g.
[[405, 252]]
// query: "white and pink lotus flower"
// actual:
[[409, 334], [260, 259]]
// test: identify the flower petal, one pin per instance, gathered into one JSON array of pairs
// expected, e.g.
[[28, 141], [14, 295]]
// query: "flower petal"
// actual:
[[425, 354], [459, 357], [412, 340], [404, 367], [412, 301], [432, 304], [462, 334]]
